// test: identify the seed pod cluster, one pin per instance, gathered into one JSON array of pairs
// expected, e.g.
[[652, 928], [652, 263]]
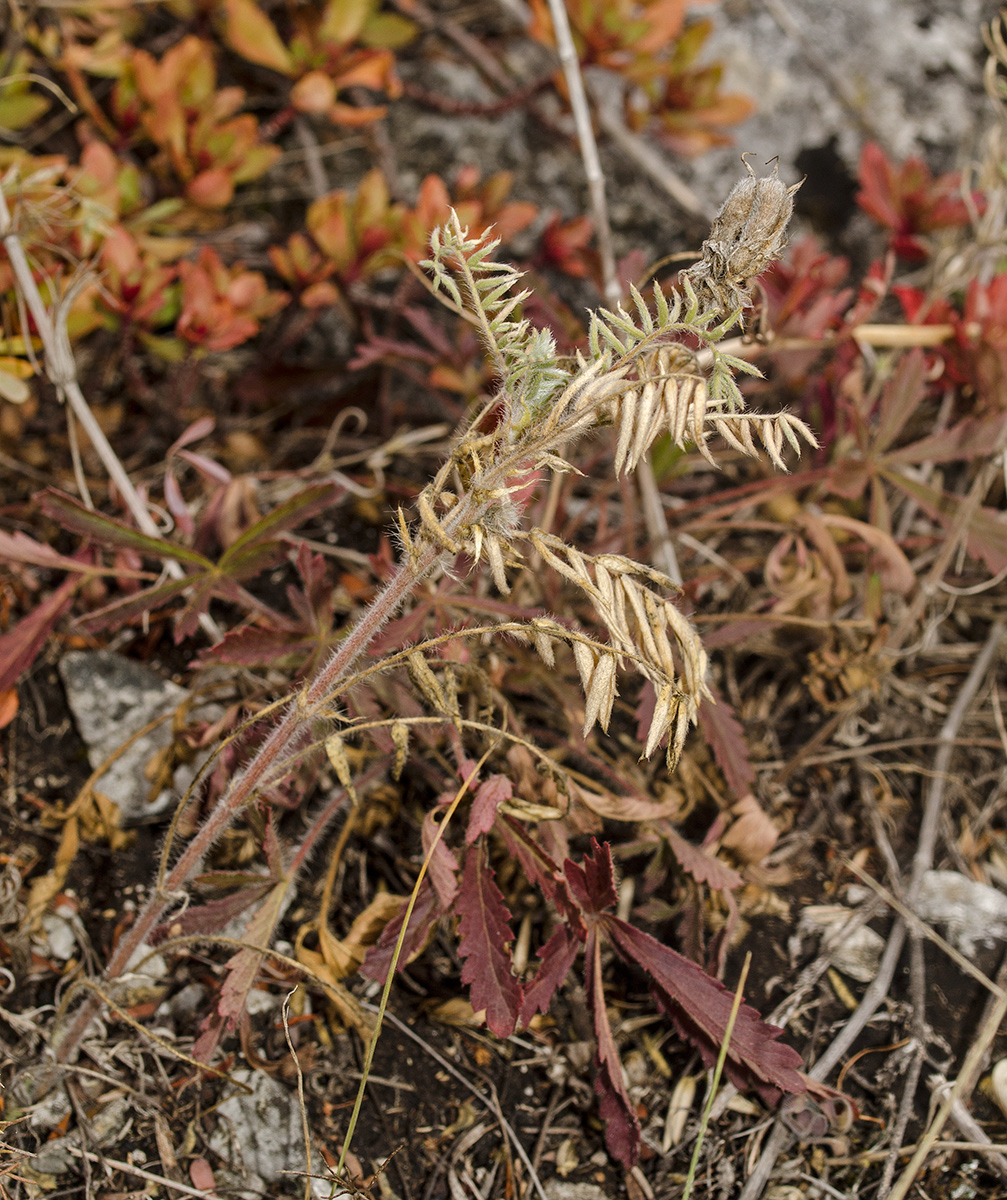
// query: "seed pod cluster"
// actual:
[[747, 235]]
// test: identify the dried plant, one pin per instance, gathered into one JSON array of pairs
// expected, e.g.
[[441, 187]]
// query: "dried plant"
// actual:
[[651, 369], [747, 235]]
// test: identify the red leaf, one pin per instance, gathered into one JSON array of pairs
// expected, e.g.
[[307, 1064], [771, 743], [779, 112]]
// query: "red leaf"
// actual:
[[987, 534], [379, 956], [443, 864], [250, 645], [703, 867], [212, 916], [593, 884], [495, 791], [726, 738], [20, 548], [877, 185], [901, 398], [557, 957], [20, 645], [700, 1007], [542, 871], [201, 1174], [622, 1130], [484, 934], [242, 969]]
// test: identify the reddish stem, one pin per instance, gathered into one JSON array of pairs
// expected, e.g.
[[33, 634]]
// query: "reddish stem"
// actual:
[[245, 786]]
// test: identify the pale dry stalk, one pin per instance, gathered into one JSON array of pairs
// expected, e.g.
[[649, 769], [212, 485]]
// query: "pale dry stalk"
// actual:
[[61, 368]]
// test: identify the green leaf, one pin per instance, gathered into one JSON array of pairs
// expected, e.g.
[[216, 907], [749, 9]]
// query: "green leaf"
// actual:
[[253, 35], [387, 31], [250, 560], [70, 514], [18, 110], [285, 516]]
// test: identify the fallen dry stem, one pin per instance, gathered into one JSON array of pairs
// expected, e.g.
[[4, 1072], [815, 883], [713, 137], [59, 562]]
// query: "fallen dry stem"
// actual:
[[570, 61], [922, 861], [61, 367], [930, 823], [958, 1091]]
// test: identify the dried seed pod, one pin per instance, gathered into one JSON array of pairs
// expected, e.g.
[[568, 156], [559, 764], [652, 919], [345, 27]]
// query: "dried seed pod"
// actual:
[[400, 737], [747, 234], [336, 753]]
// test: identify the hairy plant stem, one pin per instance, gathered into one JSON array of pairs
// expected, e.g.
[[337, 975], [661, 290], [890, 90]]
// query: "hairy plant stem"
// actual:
[[266, 762]]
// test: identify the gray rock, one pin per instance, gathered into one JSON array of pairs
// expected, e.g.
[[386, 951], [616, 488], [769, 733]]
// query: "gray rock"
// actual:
[[913, 70], [112, 698], [262, 1132], [260, 1129], [970, 913]]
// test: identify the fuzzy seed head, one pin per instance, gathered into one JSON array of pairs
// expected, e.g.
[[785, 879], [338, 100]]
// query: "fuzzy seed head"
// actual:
[[747, 234]]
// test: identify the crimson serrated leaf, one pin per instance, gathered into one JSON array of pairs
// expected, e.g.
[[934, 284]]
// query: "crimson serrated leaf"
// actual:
[[490, 794], [251, 646], [622, 1130], [700, 1006], [593, 883], [379, 957], [483, 936], [541, 870], [703, 867], [214, 915], [557, 957], [726, 738], [242, 969]]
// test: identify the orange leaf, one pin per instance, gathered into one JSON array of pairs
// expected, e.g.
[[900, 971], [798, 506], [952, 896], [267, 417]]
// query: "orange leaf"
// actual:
[[8, 707], [211, 189], [315, 93]]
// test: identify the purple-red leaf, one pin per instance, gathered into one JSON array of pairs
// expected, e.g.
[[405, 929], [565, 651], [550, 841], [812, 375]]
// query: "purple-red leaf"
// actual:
[[593, 883], [251, 646], [726, 739], [703, 867], [20, 645], [212, 916], [542, 871], [18, 547], [379, 957], [700, 1007], [622, 1130], [106, 531], [987, 534], [443, 869], [557, 957], [490, 794], [483, 936]]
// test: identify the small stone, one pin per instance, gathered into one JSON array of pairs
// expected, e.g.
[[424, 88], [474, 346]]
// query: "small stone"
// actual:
[[62, 941], [260, 1129], [564, 1189], [970, 913], [112, 698]]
